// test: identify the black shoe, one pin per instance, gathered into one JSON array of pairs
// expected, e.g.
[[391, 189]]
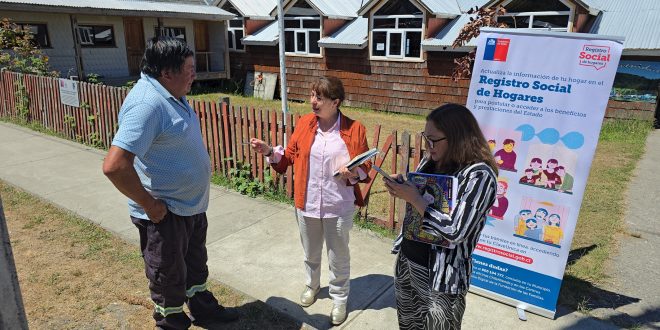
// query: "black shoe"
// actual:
[[224, 315]]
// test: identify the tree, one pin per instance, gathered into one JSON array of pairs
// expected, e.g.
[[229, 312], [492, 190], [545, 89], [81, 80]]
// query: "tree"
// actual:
[[485, 17], [19, 51]]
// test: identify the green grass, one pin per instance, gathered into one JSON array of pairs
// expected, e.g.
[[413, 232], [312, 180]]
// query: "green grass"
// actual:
[[71, 260], [621, 145], [389, 121]]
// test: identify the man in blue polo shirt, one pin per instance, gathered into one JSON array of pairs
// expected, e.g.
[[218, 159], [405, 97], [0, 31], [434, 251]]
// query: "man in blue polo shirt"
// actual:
[[158, 160]]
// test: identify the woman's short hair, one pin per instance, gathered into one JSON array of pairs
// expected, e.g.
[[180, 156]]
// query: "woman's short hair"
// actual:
[[164, 53], [330, 87], [466, 142]]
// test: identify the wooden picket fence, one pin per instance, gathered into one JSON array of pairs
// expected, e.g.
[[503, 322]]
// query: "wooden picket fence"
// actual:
[[225, 129]]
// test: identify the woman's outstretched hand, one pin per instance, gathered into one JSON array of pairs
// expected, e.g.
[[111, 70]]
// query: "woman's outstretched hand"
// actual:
[[347, 174], [260, 146]]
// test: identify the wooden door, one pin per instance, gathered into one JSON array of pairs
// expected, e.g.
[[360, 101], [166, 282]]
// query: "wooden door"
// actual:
[[135, 43], [202, 58]]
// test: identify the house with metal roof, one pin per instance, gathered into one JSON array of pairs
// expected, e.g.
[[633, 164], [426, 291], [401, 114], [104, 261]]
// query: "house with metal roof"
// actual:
[[108, 37], [397, 55]]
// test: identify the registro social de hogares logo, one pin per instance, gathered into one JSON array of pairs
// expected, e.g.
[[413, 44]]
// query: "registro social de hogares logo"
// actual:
[[496, 49], [596, 56]]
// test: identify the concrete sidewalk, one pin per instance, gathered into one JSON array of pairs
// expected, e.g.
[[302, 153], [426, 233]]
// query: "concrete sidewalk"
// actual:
[[253, 244]]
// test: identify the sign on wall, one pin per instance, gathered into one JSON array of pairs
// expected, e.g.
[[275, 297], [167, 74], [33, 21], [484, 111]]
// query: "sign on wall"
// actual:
[[69, 92], [636, 81], [541, 112]]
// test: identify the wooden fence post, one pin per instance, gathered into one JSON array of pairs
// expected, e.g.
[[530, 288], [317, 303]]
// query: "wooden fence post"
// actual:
[[390, 219], [403, 170]]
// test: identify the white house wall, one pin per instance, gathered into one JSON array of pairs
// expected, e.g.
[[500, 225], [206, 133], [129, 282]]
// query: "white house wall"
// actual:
[[61, 55], [110, 62]]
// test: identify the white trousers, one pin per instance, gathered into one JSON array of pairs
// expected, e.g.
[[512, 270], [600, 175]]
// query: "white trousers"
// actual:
[[335, 232]]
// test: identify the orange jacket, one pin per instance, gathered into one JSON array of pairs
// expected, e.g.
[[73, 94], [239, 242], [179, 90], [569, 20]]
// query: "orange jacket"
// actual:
[[298, 149]]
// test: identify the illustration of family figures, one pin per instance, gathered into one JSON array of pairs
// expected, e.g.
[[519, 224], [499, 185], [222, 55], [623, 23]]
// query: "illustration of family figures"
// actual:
[[541, 226], [505, 157], [553, 177], [501, 204]]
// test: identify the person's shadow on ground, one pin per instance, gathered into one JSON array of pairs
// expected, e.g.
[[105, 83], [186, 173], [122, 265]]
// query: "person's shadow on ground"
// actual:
[[257, 315], [579, 295], [369, 292]]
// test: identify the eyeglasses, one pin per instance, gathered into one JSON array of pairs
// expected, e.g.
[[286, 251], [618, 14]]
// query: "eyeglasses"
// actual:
[[431, 142]]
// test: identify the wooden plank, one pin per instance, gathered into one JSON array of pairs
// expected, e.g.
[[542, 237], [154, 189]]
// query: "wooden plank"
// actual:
[[390, 219], [217, 160], [84, 125], [289, 171], [226, 127], [221, 138], [280, 141], [3, 94], [234, 132], [403, 169], [102, 115], [272, 141], [260, 135], [238, 136], [47, 102], [252, 129], [418, 152], [245, 128], [208, 137], [44, 104], [209, 130]]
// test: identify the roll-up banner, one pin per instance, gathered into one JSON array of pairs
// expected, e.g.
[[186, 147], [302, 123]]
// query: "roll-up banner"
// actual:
[[540, 99]]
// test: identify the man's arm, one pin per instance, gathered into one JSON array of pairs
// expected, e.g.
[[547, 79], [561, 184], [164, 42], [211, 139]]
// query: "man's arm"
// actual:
[[118, 167]]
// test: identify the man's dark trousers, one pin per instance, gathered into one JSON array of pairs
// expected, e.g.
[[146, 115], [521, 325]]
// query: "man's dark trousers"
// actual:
[[174, 253]]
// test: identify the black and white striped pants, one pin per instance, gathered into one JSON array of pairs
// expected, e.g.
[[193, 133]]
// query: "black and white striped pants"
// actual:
[[419, 307]]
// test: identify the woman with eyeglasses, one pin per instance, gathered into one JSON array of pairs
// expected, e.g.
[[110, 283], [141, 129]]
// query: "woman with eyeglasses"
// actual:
[[322, 143], [431, 281]]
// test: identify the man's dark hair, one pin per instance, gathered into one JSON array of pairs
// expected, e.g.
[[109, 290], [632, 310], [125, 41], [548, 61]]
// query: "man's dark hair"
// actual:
[[164, 53]]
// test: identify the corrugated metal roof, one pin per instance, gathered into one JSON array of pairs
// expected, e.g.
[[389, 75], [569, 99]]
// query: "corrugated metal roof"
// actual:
[[255, 9], [439, 8], [442, 8], [185, 2], [267, 36], [445, 38], [120, 7], [638, 21], [466, 5], [342, 9], [353, 35]]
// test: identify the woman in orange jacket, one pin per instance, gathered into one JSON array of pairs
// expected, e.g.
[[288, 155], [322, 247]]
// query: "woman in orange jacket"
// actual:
[[322, 143]]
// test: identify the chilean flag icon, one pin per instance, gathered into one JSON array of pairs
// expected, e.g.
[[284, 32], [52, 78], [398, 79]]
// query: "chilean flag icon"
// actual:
[[496, 49]]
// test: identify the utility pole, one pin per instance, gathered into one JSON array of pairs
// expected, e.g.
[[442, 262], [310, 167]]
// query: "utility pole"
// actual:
[[283, 88]]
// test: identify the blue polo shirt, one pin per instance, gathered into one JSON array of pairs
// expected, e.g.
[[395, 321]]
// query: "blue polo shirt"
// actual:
[[170, 157]]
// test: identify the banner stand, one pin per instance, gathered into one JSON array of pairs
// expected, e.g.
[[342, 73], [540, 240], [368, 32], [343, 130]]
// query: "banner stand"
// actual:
[[540, 99]]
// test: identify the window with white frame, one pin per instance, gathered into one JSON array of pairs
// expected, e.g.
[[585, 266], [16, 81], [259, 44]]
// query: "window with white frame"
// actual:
[[554, 15], [235, 33], [235, 29], [396, 31], [174, 32], [96, 35], [302, 30]]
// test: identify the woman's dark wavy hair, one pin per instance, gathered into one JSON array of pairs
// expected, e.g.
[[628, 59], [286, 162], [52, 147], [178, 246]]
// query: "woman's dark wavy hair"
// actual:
[[466, 142], [164, 53]]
